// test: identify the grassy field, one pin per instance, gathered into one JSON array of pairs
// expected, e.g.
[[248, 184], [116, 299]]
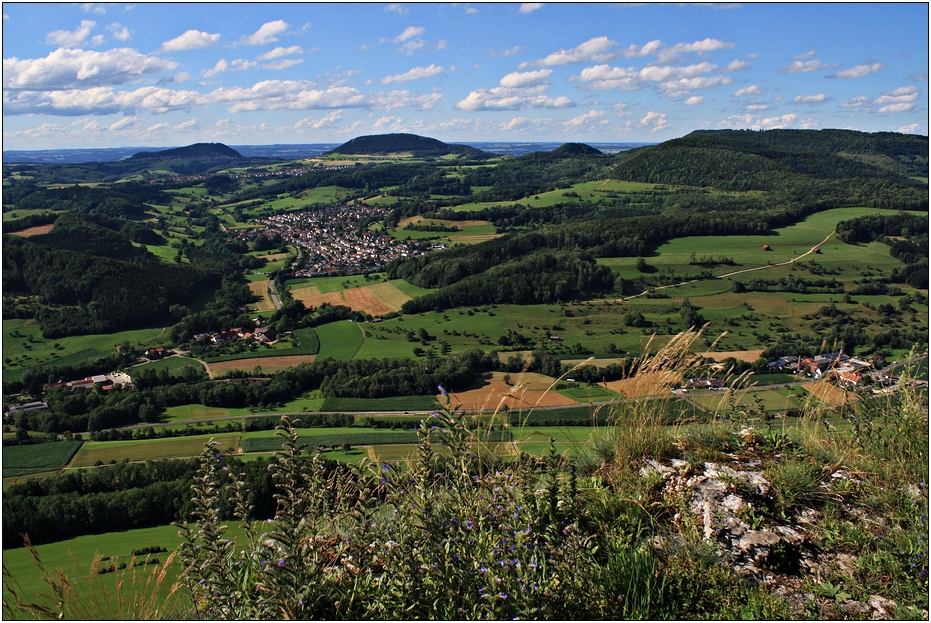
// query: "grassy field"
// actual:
[[313, 402], [24, 346], [148, 450], [339, 340], [586, 191], [21, 460], [397, 403], [174, 365]]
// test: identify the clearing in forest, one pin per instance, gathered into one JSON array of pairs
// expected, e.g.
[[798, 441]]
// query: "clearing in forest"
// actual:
[[34, 231], [260, 288]]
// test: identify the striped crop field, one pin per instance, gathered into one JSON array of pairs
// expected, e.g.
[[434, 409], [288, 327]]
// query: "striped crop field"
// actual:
[[260, 288], [172, 448]]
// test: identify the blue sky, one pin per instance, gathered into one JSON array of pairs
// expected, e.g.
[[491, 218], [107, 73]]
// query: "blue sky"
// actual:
[[151, 74]]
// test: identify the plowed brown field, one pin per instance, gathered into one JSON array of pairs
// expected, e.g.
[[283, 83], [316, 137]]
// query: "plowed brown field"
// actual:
[[496, 393], [35, 231], [268, 364]]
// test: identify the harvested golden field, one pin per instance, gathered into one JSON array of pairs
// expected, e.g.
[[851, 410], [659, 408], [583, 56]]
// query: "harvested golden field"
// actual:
[[829, 394], [434, 221], [376, 299], [260, 288], [475, 239], [34, 231], [305, 292], [525, 392], [740, 355], [646, 384], [268, 364]]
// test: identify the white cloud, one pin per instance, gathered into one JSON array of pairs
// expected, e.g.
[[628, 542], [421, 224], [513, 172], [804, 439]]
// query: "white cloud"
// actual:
[[397, 8], [639, 51], [736, 65], [683, 87], [695, 99], [279, 52], [857, 102], [125, 122], [409, 33], [267, 33], [390, 100], [330, 120], [909, 129], [393, 124], [800, 64], [517, 49], [820, 98], [656, 73], [93, 7], [120, 33], [191, 40], [594, 50], [283, 64], [589, 122], [859, 71], [655, 121], [529, 7], [754, 122], [698, 47], [417, 73], [604, 78], [99, 101], [750, 90], [70, 39], [503, 98], [526, 79], [901, 99], [64, 69]]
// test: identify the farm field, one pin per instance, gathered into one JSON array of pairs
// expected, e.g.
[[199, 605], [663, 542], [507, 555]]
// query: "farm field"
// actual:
[[174, 365], [339, 340], [375, 300], [268, 363], [203, 412], [22, 460], [587, 191], [395, 403], [24, 346], [772, 400], [260, 289], [149, 450]]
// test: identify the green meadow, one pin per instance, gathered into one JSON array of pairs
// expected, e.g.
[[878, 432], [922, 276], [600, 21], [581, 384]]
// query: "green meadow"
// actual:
[[339, 340]]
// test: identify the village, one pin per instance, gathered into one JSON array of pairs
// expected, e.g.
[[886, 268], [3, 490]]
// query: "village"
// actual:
[[337, 240]]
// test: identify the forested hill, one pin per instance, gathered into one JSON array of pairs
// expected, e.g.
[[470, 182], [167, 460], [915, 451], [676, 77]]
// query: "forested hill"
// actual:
[[418, 146], [741, 160], [197, 151]]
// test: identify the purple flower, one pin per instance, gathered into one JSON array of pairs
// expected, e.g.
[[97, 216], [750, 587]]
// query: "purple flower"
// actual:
[[280, 563]]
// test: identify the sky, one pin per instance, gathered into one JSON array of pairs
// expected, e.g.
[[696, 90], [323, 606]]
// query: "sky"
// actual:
[[167, 74]]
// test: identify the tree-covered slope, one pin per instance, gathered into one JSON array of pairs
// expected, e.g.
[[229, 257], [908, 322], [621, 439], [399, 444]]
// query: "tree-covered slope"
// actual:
[[418, 146], [741, 160], [196, 151]]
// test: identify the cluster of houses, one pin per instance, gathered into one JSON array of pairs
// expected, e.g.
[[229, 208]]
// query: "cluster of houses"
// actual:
[[261, 335], [849, 372], [336, 242], [263, 173]]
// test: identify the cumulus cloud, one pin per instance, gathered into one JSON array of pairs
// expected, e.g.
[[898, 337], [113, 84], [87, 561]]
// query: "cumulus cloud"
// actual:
[[396, 8], [526, 79], [530, 7], [409, 33], [655, 73], [589, 122], [755, 122], [901, 99], [283, 64], [417, 73], [695, 99], [604, 77], [267, 33], [505, 98], [683, 87], [909, 129], [394, 124], [750, 90], [736, 65], [65, 69], [859, 71], [98, 101], [330, 120], [93, 7], [696, 47], [120, 33], [279, 52], [655, 121], [517, 49], [801, 64], [390, 100], [820, 98], [595, 50], [125, 122], [191, 40], [71, 38], [223, 66]]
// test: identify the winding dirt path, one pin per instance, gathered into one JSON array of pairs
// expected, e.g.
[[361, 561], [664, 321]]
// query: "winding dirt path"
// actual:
[[736, 272]]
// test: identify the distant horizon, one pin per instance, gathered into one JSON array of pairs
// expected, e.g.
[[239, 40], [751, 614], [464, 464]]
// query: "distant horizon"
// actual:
[[101, 75]]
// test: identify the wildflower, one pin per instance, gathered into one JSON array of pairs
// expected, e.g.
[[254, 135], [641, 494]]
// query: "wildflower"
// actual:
[[280, 563]]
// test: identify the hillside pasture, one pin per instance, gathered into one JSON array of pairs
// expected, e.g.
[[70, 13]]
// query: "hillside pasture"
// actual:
[[339, 340]]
